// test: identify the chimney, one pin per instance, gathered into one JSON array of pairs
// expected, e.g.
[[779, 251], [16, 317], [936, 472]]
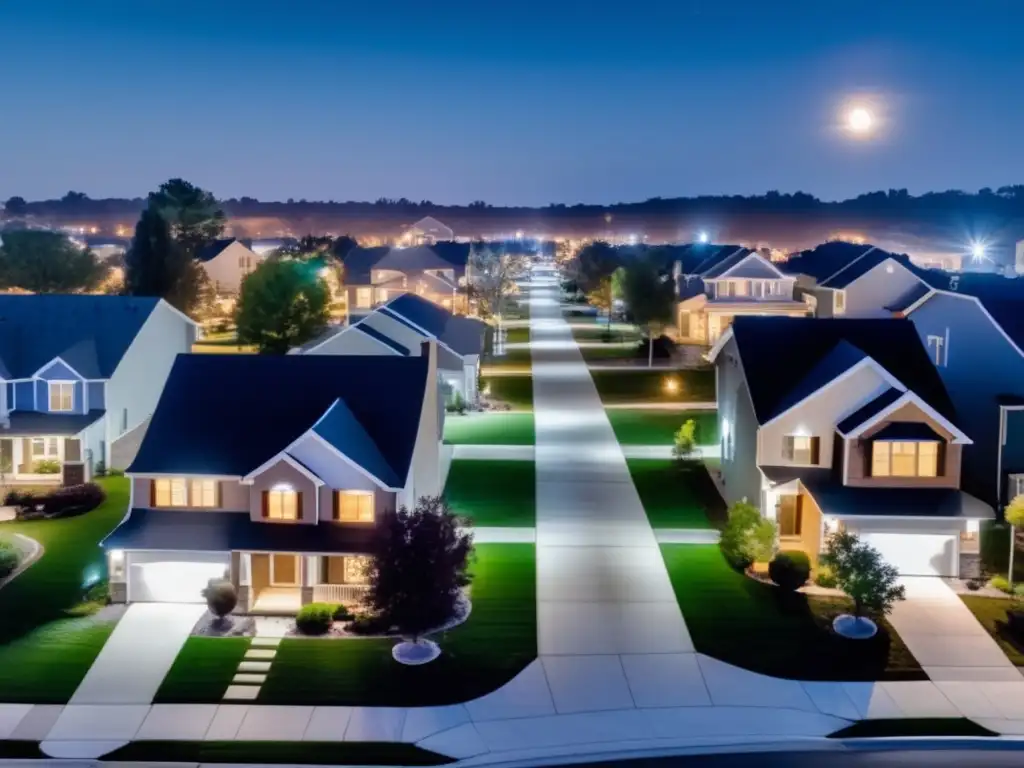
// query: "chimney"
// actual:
[[427, 460]]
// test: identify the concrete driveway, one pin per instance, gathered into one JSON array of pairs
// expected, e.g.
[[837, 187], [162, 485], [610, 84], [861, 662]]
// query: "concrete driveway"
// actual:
[[944, 636], [138, 654]]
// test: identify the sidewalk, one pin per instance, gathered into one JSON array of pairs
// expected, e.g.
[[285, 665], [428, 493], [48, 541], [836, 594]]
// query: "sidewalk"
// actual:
[[616, 669]]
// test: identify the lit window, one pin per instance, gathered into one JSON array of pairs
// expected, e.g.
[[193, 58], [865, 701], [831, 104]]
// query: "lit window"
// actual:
[[281, 505], [204, 493], [364, 298], [840, 301], [170, 492], [801, 449], [62, 396], [355, 506], [904, 459], [356, 570]]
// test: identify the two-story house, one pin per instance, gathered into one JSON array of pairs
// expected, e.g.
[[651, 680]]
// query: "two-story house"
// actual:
[[427, 231], [79, 378], [227, 262], [972, 326], [718, 283], [400, 327], [438, 272], [844, 424], [274, 472], [858, 281]]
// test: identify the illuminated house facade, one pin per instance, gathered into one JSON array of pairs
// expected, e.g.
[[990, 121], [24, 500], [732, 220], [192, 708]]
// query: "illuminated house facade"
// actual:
[[844, 424], [437, 272], [274, 472]]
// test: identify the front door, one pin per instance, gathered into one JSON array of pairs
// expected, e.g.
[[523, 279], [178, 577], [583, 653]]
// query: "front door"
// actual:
[[284, 570]]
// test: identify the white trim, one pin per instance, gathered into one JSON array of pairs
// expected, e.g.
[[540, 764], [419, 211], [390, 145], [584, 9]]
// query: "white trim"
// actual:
[[188, 475], [348, 328], [700, 272], [60, 360], [179, 313], [848, 265], [909, 397], [49, 394], [752, 255], [349, 461], [250, 478], [723, 339], [931, 292], [976, 300], [855, 368], [999, 450]]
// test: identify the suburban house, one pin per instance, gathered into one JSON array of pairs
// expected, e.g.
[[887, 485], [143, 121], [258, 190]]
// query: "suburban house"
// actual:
[[843, 424], [80, 377], [717, 283], [972, 326], [227, 262], [400, 327], [858, 281], [428, 231], [437, 272], [275, 476]]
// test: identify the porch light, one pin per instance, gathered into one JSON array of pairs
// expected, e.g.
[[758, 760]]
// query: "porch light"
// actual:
[[973, 526], [671, 385], [116, 555], [282, 487]]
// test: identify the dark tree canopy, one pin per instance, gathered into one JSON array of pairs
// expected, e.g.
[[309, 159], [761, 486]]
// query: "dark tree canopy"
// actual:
[[155, 265], [419, 565], [194, 215], [282, 304], [42, 261], [649, 294], [15, 206]]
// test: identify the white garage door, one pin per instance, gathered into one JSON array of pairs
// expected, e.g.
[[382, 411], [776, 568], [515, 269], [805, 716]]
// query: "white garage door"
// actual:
[[916, 554], [173, 577]]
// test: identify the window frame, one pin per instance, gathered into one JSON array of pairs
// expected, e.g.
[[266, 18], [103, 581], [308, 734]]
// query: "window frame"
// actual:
[[187, 490], [791, 454], [60, 384], [339, 507], [364, 298], [797, 512], [268, 506], [914, 457]]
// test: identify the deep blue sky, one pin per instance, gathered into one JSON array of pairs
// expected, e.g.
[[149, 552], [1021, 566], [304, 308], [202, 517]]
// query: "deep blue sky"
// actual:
[[524, 102]]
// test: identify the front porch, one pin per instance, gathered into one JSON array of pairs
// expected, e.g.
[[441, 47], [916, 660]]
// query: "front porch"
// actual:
[[280, 583], [38, 459]]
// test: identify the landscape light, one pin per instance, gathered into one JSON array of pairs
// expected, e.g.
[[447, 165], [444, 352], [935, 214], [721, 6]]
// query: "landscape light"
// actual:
[[671, 385], [703, 237]]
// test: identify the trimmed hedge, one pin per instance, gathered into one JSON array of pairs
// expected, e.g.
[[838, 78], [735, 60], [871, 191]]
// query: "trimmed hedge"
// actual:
[[9, 558], [315, 618], [790, 570], [61, 502]]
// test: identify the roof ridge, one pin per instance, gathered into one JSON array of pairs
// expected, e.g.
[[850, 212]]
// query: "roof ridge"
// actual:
[[849, 264]]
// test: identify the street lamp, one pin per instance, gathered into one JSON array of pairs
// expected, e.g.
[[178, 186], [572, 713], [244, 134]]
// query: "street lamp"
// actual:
[[703, 237]]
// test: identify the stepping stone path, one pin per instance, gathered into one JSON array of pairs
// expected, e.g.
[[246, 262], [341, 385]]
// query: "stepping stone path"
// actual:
[[253, 669]]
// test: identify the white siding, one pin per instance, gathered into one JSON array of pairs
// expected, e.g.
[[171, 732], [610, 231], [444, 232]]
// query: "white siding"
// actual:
[[351, 342], [398, 331], [139, 379], [878, 288], [224, 270]]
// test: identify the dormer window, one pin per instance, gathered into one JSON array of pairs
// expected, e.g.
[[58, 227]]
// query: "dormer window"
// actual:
[[282, 502], [904, 459], [354, 507], [62, 396]]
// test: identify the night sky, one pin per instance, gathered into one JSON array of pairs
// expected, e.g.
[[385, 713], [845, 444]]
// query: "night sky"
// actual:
[[525, 102]]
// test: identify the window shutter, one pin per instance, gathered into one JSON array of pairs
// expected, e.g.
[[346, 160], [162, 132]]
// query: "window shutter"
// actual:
[[337, 505], [152, 493], [298, 505], [218, 499], [265, 501], [940, 461], [787, 448], [815, 449], [799, 515], [868, 448]]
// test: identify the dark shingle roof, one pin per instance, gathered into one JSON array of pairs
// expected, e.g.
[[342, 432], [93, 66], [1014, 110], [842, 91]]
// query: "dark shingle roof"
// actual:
[[841, 358], [869, 410], [229, 414], [780, 354], [213, 249], [862, 266], [376, 335], [90, 333], [911, 297], [824, 261], [722, 262], [1002, 296], [443, 255], [340, 427], [852, 501], [463, 334], [906, 430], [217, 531], [359, 261], [37, 423]]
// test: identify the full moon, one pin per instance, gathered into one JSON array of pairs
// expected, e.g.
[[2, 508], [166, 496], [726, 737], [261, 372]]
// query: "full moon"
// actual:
[[859, 120]]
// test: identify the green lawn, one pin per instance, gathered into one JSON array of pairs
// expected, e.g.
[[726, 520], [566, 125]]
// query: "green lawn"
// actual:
[[995, 551], [600, 354], [516, 389], [271, 752], [495, 428], [513, 358], [675, 497], [599, 331], [517, 335], [498, 492], [643, 386], [991, 614], [203, 669], [650, 426], [44, 654], [753, 625], [494, 644], [927, 726]]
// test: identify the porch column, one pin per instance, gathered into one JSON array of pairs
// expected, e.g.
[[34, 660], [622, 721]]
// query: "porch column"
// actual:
[[241, 577], [309, 567], [117, 575]]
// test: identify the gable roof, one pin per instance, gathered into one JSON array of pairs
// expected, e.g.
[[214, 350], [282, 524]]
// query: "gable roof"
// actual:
[[1001, 296], [89, 333], [825, 260], [783, 355], [359, 262], [377, 336], [837, 361], [429, 225], [910, 298], [213, 249], [861, 266], [869, 410], [718, 256], [464, 335], [228, 414]]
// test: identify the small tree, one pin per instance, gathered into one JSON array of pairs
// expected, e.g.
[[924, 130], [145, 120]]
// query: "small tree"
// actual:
[[649, 294], [684, 445], [282, 304], [221, 597], [418, 566], [1014, 515], [747, 537], [862, 574]]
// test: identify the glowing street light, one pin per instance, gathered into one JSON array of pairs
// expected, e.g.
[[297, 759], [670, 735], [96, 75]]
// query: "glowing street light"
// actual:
[[978, 251], [703, 237]]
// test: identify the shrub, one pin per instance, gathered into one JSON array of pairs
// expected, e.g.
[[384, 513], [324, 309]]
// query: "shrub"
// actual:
[[115, 473], [315, 618], [46, 467], [974, 584], [790, 570], [861, 573], [342, 613], [9, 558], [664, 348], [95, 597], [100, 470], [221, 597], [369, 624], [1000, 583], [456, 405], [1018, 590], [684, 443], [825, 577], [60, 502], [747, 537]]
